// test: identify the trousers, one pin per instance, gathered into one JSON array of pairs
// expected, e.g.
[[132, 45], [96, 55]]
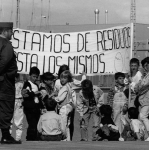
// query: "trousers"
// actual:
[[17, 119]]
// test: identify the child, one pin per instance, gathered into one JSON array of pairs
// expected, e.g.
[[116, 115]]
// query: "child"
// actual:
[[89, 101], [142, 89], [50, 123], [47, 88], [108, 130], [75, 84], [66, 101], [31, 104], [134, 78], [118, 99], [18, 109], [137, 127]]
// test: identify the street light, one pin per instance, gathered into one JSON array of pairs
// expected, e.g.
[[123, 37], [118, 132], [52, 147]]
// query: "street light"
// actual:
[[45, 19]]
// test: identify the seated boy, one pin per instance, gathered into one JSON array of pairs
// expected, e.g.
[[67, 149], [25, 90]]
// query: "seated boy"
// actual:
[[108, 130], [50, 123], [137, 127]]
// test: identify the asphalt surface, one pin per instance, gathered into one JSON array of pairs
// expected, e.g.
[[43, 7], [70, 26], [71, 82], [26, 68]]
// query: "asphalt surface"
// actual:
[[78, 146]]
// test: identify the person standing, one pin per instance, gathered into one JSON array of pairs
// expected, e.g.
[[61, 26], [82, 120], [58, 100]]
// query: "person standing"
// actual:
[[8, 70], [18, 115], [142, 89], [89, 101], [118, 99]]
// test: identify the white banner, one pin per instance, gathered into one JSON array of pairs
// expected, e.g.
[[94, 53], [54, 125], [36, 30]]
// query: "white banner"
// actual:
[[95, 52]]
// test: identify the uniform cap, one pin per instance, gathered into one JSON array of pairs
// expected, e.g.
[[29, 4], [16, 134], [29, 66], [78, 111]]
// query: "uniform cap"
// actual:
[[6, 24]]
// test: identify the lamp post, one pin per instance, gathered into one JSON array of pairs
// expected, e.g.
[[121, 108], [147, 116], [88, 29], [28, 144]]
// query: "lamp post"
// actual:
[[45, 19], [96, 16]]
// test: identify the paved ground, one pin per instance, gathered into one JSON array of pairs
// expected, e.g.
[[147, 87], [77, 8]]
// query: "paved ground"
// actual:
[[78, 146], [75, 144]]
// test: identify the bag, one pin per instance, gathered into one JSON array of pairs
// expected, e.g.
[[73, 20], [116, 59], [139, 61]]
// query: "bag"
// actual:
[[73, 97]]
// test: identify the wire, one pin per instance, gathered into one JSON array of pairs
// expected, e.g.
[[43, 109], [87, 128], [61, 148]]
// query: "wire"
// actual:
[[41, 14], [48, 19], [32, 15], [1, 10], [11, 15]]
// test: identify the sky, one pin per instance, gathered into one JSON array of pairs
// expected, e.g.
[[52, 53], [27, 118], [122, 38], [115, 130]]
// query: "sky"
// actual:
[[72, 11]]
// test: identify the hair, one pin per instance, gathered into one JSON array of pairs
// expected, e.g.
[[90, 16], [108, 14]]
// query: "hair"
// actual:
[[133, 113], [34, 70], [135, 60], [50, 104], [106, 110], [67, 74], [17, 75], [144, 61], [87, 89], [119, 74], [61, 69], [5, 29], [48, 76]]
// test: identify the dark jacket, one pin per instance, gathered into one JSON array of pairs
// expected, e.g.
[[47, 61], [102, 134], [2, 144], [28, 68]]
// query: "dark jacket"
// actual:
[[29, 102], [8, 70], [113, 136]]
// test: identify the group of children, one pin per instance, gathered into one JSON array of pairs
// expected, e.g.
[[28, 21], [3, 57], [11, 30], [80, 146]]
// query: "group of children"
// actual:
[[50, 106]]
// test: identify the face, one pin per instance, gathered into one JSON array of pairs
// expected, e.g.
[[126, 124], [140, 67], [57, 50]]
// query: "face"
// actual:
[[63, 80], [16, 79], [49, 83], [120, 80], [8, 33], [146, 67], [34, 78], [134, 67]]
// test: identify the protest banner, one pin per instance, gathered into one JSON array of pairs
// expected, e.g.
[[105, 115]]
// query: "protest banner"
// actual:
[[96, 52]]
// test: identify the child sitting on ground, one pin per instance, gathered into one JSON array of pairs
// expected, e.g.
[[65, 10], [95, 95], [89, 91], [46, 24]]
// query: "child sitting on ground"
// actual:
[[108, 130], [50, 123], [118, 100], [137, 127]]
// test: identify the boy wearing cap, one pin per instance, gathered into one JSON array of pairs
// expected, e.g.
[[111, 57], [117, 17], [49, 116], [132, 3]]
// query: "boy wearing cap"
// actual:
[[8, 70]]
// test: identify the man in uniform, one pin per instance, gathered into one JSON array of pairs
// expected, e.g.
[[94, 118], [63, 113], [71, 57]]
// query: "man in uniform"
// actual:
[[8, 70]]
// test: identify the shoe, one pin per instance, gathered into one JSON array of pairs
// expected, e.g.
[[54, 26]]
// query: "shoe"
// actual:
[[147, 139], [83, 140], [9, 140], [94, 139], [121, 139]]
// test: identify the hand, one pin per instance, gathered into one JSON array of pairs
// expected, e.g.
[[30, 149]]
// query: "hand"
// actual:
[[24, 93], [83, 73], [43, 111], [114, 130], [81, 118], [106, 130], [129, 134], [55, 93], [37, 92]]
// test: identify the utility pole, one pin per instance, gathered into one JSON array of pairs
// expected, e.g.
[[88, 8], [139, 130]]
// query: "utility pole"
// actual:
[[18, 14], [133, 20], [1, 11]]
